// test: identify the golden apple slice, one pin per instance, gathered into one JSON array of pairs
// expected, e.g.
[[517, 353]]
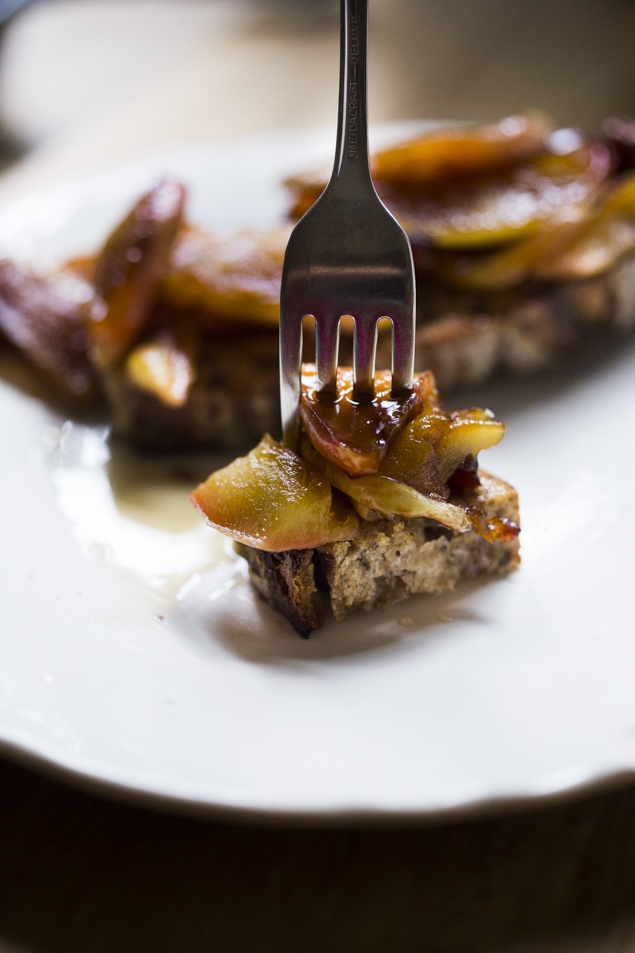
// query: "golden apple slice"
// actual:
[[391, 498], [515, 263], [377, 494], [578, 243], [451, 153], [605, 238], [228, 278], [273, 500], [426, 452], [164, 368], [42, 318], [477, 187], [412, 457], [510, 207], [597, 250], [446, 154], [468, 433]]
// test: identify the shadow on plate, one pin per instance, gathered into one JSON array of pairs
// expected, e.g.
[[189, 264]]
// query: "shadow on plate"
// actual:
[[246, 626]]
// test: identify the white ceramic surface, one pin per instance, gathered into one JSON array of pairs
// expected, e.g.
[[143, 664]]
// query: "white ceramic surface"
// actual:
[[134, 655]]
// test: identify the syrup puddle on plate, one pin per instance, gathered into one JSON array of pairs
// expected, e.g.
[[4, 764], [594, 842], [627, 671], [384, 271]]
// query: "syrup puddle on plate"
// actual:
[[135, 512]]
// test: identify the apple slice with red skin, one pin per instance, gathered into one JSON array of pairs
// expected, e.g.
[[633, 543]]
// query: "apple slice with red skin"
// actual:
[[129, 269], [353, 434], [273, 500]]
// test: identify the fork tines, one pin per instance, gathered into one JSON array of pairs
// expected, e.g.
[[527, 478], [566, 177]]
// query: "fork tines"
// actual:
[[347, 256]]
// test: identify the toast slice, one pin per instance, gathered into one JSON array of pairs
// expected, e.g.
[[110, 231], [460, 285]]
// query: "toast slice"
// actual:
[[360, 516], [392, 560]]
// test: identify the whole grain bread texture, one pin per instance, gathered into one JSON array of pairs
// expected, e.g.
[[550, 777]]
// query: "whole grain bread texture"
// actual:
[[393, 560]]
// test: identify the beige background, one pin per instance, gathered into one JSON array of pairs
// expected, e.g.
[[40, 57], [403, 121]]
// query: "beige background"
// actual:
[[92, 81]]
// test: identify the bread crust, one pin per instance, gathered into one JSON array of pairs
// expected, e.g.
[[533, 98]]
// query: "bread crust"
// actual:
[[390, 562], [466, 339]]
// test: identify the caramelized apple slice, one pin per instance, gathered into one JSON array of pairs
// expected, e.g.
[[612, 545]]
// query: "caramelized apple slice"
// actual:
[[601, 243], [412, 457], [588, 242], [354, 435], [473, 200], [496, 210], [377, 494], [129, 268], [391, 498], [228, 278], [164, 367], [597, 249], [468, 432], [450, 153], [427, 451], [273, 500], [42, 318], [460, 152], [518, 262]]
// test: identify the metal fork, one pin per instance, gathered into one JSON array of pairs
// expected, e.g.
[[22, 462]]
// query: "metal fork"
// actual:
[[347, 255]]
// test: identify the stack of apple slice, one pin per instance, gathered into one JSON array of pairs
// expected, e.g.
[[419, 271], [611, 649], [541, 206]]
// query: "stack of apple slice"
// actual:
[[357, 462]]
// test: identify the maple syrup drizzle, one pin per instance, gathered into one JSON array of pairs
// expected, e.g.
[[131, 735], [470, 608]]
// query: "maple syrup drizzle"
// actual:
[[363, 425]]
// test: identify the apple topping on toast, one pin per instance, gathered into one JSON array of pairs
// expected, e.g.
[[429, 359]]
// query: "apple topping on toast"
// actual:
[[273, 500], [355, 434], [357, 462]]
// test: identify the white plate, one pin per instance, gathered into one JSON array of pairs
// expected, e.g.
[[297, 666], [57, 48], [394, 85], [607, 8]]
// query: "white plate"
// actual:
[[134, 655]]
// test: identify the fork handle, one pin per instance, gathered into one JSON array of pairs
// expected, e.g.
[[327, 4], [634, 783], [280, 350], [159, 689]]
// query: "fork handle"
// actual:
[[351, 168]]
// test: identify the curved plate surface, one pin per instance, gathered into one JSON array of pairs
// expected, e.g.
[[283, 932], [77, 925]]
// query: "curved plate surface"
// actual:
[[134, 655]]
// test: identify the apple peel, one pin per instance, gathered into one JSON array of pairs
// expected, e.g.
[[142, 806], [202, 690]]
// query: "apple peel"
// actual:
[[351, 434], [391, 498]]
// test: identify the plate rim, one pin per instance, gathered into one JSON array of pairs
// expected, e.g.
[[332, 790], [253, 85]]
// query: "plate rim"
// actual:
[[479, 808], [589, 781]]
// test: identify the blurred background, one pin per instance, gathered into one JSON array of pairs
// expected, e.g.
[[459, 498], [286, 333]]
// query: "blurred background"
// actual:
[[109, 78]]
